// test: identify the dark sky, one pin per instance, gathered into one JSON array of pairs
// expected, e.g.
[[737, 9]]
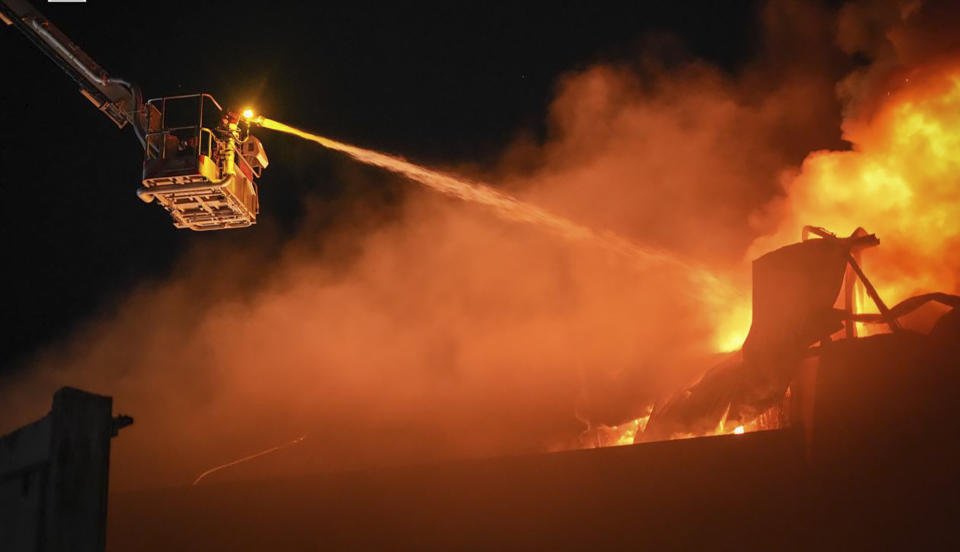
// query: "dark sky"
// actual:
[[440, 86]]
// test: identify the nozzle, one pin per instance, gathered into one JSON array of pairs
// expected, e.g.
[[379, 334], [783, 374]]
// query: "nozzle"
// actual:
[[251, 117]]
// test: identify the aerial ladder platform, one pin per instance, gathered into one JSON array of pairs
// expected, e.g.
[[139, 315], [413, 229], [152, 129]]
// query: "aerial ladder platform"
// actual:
[[201, 164]]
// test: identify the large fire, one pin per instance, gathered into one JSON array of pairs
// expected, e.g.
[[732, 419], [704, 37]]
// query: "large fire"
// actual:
[[900, 179]]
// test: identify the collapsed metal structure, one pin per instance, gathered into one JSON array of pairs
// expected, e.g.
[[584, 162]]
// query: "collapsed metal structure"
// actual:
[[804, 301]]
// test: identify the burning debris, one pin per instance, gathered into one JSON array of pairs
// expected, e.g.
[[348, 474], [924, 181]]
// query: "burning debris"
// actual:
[[805, 296]]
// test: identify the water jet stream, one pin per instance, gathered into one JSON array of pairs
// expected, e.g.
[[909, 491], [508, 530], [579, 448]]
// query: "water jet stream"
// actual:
[[510, 207]]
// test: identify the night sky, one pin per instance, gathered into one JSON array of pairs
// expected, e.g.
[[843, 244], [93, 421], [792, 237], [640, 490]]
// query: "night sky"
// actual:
[[439, 86]]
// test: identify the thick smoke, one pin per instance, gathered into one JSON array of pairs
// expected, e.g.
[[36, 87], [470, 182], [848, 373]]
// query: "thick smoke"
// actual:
[[446, 332]]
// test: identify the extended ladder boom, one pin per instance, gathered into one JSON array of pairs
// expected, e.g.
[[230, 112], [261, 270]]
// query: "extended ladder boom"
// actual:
[[116, 98]]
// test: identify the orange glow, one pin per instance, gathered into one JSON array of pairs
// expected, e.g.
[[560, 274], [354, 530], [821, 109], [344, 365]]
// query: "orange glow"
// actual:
[[440, 317], [732, 329], [900, 181]]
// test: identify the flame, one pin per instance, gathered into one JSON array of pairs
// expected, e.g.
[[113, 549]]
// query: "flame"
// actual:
[[769, 419], [628, 433], [901, 180], [630, 430], [732, 329], [625, 433]]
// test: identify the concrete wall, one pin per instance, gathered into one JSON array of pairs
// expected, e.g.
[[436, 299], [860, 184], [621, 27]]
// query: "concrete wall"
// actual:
[[54, 474], [23, 462]]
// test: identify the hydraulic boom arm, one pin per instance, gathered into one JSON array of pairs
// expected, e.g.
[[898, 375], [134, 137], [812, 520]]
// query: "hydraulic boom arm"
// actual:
[[118, 99]]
